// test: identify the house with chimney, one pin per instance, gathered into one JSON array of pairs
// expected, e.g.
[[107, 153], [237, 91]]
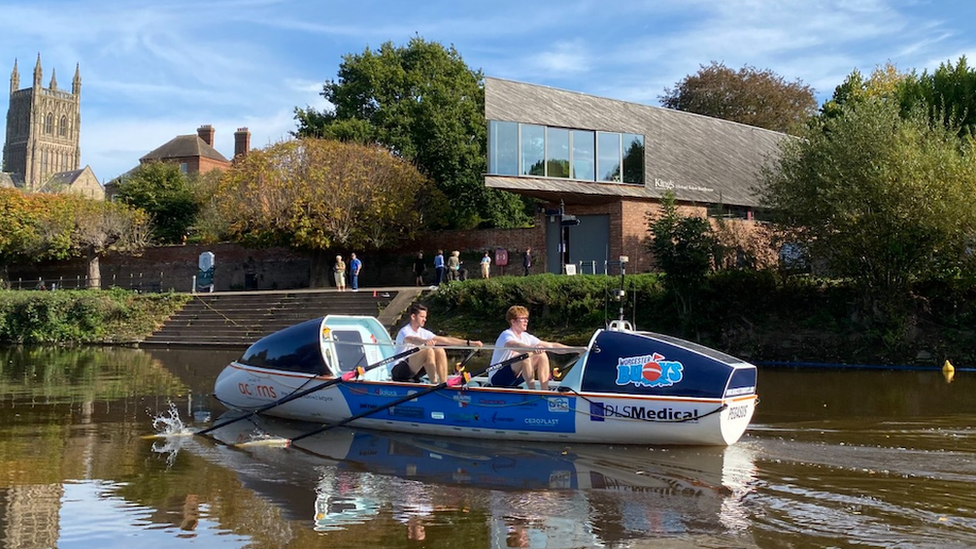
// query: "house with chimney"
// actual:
[[194, 153]]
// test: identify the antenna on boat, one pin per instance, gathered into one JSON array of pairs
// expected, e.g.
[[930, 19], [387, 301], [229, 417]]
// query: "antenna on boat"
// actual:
[[621, 324]]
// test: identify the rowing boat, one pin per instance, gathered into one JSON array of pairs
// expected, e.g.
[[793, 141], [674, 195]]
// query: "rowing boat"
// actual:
[[626, 387]]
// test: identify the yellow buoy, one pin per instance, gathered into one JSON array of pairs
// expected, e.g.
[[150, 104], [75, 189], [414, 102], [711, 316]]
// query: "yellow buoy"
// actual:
[[948, 372]]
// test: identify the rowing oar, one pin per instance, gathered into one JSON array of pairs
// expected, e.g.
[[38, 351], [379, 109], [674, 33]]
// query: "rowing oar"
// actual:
[[451, 382], [351, 374]]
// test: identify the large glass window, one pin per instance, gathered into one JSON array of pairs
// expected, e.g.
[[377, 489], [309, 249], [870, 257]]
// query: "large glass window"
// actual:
[[63, 127], [533, 150], [633, 158], [557, 152], [503, 148], [608, 156], [585, 155], [584, 151], [49, 123]]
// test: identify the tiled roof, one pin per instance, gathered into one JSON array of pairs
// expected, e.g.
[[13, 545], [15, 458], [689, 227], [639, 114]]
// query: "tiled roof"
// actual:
[[184, 146]]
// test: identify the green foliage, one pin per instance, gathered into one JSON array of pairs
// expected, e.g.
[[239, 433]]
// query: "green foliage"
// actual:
[[426, 105], [84, 316], [567, 308], [882, 199], [163, 191], [683, 248], [948, 95], [750, 96]]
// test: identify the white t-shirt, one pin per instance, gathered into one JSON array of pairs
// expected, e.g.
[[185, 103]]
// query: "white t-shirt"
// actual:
[[526, 340], [406, 332]]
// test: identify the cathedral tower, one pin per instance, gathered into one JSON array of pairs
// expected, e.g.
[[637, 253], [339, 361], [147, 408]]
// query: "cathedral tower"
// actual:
[[43, 129]]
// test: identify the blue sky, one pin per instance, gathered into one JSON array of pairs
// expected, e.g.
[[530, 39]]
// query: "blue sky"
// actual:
[[154, 70]]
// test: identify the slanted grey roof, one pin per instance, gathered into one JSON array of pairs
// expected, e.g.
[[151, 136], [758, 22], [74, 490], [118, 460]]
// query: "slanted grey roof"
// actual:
[[701, 159], [184, 146], [62, 179]]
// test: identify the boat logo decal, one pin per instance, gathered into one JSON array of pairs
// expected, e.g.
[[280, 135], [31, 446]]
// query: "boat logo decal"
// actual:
[[540, 421], [560, 404], [649, 371]]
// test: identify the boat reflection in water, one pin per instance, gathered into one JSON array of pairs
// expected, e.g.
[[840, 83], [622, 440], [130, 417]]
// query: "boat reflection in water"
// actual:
[[537, 494]]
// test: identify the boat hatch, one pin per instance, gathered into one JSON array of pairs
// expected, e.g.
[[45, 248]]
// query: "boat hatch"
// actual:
[[294, 349], [644, 363]]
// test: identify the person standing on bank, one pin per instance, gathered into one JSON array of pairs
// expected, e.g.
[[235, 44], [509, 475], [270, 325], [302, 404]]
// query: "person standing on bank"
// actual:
[[486, 265], [419, 269], [530, 369], [339, 272], [355, 266], [439, 267], [527, 261], [431, 359]]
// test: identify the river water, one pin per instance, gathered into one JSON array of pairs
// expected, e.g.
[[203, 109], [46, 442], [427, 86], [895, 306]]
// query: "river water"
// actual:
[[834, 458]]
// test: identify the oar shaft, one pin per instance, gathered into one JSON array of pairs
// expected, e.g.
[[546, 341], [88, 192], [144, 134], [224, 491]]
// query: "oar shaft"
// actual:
[[454, 380], [293, 396]]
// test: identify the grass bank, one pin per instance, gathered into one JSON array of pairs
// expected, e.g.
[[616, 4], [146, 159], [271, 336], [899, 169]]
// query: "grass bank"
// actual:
[[83, 316]]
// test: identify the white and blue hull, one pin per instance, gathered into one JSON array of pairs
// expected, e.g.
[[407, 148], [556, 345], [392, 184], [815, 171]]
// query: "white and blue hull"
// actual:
[[628, 388]]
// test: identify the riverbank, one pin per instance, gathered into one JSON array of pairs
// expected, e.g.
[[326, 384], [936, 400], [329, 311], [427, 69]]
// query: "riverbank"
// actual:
[[67, 317], [755, 316]]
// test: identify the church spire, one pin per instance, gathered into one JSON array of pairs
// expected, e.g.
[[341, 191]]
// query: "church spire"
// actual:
[[54, 79], [76, 82], [37, 72], [14, 78]]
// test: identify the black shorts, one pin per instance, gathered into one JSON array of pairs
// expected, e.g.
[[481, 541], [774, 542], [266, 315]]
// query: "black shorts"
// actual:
[[401, 372], [505, 377]]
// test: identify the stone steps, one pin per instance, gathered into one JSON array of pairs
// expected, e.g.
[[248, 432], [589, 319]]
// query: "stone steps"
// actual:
[[237, 319]]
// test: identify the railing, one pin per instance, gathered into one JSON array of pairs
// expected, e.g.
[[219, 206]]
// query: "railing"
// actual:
[[138, 283]]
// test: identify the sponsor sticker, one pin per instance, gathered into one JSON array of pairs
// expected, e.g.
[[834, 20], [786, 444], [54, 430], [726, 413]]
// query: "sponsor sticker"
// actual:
[[648, 371], [560, 404]]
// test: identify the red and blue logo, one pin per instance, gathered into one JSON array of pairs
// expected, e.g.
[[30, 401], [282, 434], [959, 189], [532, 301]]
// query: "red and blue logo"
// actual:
[[649, 371]]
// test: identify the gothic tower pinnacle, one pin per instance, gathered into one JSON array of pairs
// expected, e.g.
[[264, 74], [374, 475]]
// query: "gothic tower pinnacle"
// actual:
[[76, 82], [54, 79], [37, 72], [14, 78]]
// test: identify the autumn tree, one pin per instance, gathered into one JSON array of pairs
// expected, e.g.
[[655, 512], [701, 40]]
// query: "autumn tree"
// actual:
[[42, 226], [423, 103], [878, 198], [750, 96], [72, 226], [163, 191], [317, 194], [18, 229]]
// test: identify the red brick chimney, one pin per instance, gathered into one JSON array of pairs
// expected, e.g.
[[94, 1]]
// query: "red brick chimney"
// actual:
[[206, 132], [242, 142]]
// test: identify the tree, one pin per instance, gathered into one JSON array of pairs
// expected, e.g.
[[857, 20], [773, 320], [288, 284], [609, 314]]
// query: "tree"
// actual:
[[948, 94], [164, 192], [683, 248], [18, 229], [318, 193], [750, 96], [878, 198], [886, 83], [424, 104]]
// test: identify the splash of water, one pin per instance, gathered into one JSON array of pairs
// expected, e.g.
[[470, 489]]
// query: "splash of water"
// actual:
[[168, 422]]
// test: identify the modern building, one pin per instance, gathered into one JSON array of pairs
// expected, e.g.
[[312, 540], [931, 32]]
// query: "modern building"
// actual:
[[43, 129], [600, 166]]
